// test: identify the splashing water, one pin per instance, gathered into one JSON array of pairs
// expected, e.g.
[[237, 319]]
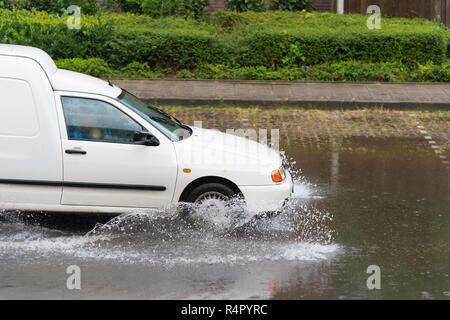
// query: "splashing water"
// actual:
[[169, 237], [184, 233]]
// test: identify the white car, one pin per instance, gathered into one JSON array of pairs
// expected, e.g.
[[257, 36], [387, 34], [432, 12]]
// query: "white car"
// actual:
[[74, 143]]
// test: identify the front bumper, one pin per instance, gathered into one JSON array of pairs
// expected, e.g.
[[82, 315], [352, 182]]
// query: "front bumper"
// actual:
[[268, 198]]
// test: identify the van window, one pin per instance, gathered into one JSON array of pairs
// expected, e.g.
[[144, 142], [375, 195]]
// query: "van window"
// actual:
[[96, 120], [18, 116]]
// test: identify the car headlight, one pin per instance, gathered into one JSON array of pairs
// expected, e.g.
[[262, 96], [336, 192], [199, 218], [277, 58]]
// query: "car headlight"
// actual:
[[278, 175]]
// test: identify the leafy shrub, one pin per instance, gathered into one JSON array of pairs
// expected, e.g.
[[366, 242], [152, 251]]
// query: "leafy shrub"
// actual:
[[50, 33], [134, 6], [432, 73], [137, 70], [447, 35], [93, 66], [246, 5], [341, 71], [160, 8], [194, 9], [177, 48], [185, 74], [51, 6], [227, 20], [273, 46], [247, 43], [292, 5]]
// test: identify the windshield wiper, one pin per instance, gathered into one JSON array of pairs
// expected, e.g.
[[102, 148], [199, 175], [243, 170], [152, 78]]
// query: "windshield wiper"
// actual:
[[170, 116], [161, 119], [185, 127]]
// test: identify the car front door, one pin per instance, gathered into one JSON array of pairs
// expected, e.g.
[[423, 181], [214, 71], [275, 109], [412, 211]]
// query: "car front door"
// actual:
[[103, 166]]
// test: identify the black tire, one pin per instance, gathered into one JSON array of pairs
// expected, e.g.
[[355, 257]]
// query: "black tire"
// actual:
[[210, 188]]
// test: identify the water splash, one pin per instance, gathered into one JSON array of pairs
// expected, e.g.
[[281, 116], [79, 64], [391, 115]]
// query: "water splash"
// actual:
[[289, 164], [186, 233], [169, 237]]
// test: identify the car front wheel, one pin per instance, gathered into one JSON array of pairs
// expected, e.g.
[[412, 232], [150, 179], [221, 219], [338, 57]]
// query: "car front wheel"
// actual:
[[218, 203], [210, 192]]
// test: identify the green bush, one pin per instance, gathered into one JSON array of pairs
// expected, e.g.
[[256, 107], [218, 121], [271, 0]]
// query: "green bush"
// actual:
[[227, 20], [137, 70], [160, 8], [342, 71], [99, 68], [257, 39], [194, 9], [292, 5], [51, 6], [177, 48], [273, 39], [274, 46], [250, 44], [93, 66], [50, 33], [189, 9], [246, 5], [447, 35], [134, 6], [432, 73]]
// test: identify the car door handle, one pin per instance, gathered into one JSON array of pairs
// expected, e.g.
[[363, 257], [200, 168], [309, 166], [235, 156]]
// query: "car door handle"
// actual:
[[75, 151]]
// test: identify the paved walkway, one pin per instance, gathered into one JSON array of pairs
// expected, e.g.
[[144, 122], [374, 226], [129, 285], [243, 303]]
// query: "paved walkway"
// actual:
[[305, 94]]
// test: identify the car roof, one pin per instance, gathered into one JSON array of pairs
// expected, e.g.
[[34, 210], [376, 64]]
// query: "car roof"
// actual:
[[62, 80], [65, 80], [36, 54]]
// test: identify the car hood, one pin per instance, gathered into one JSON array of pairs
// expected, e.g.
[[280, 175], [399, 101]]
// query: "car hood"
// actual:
[[214, 152]]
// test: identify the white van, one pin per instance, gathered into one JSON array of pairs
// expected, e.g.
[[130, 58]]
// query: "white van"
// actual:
[[74, 143]]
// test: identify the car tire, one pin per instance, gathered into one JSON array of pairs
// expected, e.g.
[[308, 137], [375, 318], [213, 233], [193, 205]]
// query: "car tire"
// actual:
[[211, 190]]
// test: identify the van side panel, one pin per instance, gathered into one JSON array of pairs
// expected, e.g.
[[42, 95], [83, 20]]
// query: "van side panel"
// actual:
[[30, 147]]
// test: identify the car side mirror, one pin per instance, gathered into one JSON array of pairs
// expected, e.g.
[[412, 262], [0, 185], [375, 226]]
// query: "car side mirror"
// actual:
[[145, 139]]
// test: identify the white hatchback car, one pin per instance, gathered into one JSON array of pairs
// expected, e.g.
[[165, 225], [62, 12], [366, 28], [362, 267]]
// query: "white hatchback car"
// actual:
[[74, 143]]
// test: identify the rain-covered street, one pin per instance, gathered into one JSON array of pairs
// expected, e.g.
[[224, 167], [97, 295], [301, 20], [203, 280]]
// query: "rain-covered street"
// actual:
[[364, 201]]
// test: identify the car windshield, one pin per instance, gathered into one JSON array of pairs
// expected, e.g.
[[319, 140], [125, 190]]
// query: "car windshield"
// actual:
[[167, 124]]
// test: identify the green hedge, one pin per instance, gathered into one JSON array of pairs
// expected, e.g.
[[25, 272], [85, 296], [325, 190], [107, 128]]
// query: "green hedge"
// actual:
[[50, 33], [164, 49], [246, 5], [342, 71], [280, 39], [249, 41], [310, 38], [93, 66], [100, 68], [292, 5], [272, 47], [51, 6]]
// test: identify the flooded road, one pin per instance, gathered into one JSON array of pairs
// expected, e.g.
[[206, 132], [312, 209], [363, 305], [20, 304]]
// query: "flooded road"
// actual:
[[358, 202]]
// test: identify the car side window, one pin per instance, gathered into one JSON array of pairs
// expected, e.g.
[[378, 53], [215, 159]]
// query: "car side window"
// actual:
[[96, 120]]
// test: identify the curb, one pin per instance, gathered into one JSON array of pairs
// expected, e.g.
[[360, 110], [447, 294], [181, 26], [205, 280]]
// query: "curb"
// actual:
[[301, 104]]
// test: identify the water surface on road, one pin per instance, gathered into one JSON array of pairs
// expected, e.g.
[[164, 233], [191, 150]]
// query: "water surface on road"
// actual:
[[358, 202]]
